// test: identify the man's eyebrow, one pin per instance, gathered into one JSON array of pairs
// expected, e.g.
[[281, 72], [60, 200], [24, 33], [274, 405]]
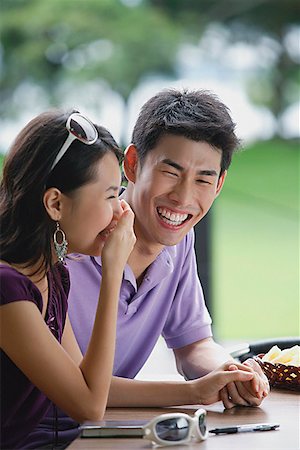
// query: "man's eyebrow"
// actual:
[[208, 172], [113, 188], [176, 166]]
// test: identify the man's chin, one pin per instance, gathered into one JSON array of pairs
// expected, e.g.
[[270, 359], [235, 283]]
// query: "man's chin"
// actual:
[[169, 241]]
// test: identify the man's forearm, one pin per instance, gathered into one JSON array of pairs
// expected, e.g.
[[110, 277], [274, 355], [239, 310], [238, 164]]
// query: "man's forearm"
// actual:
[[200, 358]]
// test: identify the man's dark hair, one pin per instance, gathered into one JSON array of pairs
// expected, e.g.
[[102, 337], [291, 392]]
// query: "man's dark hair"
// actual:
[[196, 115]]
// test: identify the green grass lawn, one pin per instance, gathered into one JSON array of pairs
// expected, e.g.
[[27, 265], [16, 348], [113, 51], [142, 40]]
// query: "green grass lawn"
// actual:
[[256, 245]]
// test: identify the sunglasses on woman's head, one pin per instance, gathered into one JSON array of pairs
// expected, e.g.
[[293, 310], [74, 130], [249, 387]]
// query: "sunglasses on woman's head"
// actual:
[[81, 128], [176, 428]]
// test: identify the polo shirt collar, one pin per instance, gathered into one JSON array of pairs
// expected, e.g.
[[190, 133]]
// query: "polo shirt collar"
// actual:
[[161, 267]]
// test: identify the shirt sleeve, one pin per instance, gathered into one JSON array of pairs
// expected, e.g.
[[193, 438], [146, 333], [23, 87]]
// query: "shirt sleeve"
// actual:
[[16, 287], [188, 319]]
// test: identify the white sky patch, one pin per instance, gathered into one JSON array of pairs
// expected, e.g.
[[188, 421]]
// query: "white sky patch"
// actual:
[[252, 122], [290, 121], [94, 99], [292, 43], [100, 103]]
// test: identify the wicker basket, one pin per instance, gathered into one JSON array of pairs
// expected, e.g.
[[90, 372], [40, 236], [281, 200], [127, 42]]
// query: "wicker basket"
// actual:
[[280, 375]]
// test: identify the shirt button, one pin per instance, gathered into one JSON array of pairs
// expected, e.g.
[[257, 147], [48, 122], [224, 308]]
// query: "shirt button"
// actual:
[[131, 310]]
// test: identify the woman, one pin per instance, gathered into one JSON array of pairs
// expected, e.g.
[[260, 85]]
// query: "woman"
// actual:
[[58, 195]]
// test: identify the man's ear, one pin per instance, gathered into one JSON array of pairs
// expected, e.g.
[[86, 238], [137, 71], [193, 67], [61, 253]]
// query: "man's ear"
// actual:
[[221, 182], [130, 163], [52, 203]]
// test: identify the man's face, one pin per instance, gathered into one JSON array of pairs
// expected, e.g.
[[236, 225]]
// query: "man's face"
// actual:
[[174, 188]]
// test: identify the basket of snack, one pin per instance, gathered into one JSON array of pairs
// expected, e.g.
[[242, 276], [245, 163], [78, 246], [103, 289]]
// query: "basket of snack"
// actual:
[[282, 367]]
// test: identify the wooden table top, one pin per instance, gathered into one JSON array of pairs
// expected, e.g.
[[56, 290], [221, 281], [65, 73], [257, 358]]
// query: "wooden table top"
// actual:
[[281, 406]]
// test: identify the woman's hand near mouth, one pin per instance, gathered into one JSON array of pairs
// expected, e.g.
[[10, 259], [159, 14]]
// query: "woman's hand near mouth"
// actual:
[[120, 241]]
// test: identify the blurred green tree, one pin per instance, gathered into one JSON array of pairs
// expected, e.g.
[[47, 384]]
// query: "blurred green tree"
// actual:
[[249, 21], [46, 42]]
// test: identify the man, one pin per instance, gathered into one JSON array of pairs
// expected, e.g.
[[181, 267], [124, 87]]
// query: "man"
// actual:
[[176, 165]]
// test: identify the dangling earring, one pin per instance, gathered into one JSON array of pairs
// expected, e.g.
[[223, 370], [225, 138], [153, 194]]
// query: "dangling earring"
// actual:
[[62, 247]]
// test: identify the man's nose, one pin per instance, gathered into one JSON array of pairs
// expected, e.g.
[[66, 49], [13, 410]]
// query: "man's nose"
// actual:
[[182, 193]]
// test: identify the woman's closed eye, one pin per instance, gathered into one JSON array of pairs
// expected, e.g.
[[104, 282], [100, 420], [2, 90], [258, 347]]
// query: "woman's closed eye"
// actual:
[[112, 197]]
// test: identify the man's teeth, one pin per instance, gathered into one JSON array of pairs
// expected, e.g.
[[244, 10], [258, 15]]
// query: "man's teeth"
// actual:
[[171, 218]]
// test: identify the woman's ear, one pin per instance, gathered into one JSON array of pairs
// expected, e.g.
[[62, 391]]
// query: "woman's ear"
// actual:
[[52, 203], [130, 163]]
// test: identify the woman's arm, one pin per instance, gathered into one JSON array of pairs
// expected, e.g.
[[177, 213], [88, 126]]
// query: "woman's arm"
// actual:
[[206, 390], [80, 390], [70, 343]]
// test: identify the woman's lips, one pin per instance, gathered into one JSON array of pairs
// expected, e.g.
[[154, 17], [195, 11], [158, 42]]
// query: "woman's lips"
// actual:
[[108, 230]]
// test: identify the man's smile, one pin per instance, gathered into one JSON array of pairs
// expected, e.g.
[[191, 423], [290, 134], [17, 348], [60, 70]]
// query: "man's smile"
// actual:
[[172, 218]]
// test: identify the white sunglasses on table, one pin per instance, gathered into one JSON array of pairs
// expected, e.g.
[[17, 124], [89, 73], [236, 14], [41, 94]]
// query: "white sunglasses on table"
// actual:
[[176, 428], [79, 127]]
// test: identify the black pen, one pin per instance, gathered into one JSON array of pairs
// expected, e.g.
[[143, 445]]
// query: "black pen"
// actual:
[[244, 428]]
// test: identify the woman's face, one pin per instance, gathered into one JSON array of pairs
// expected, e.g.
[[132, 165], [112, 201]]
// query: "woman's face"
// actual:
[[92, 212]]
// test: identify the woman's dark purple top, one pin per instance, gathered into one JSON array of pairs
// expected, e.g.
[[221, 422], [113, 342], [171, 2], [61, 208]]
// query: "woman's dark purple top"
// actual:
[[22, 404]]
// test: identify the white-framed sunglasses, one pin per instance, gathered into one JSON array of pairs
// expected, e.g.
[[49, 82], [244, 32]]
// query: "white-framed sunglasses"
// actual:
[[79, 127], [176, 428]]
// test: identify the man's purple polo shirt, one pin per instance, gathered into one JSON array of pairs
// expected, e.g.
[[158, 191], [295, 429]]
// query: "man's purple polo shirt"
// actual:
[[169, 302]]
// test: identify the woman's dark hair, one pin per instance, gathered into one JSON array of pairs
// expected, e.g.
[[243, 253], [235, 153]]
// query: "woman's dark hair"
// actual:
[[26, 229], [196, 115]]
